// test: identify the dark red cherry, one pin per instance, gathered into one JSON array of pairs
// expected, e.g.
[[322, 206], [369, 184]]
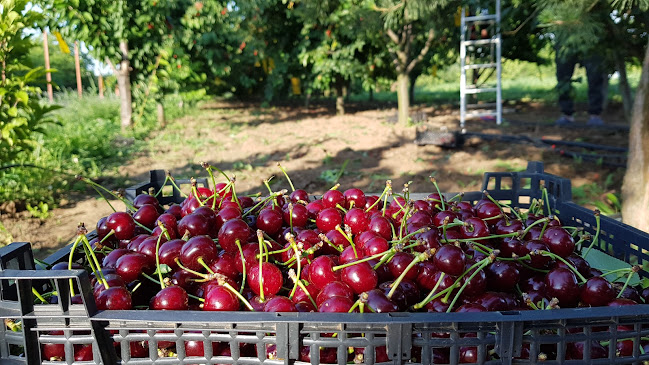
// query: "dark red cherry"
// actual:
[[334, 289], [399, 263], [336, 305], [502, 276], [320, 271], [381, 226], [170, 298], [132, 265], [299, 195], [450, 259], [194, 224], [559, 241], [270, 221], [271, 279], [147, 215], [169, 251], [487, 209], [225, 264], [379, 303], [279, 303], [360, 277], [328, 219], [357, 220], [354, 198], [114, 298], [506, 226], [296, 216], [123, 225], [232, 231], [375, 245], [333, 198], [219, 298], [597, 291], [474, 228], [197, 249], [314, 208], [562, 284]]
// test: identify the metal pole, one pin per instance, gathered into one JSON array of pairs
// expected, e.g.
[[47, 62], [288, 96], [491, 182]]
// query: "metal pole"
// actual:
[[48, 75], [499, 98]]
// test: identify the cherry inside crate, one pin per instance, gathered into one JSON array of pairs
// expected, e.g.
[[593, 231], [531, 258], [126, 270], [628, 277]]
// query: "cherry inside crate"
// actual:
[[163, 337]]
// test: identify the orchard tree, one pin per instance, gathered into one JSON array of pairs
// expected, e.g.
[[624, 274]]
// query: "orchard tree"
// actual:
[[410, 26], [582, 28], [21, 112], [337, 42], [126, 34]]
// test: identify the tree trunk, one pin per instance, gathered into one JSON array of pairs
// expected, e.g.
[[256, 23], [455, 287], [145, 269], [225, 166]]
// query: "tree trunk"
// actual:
[[411, 88], [340, 96], [635, 187], [402, 97], [124, 85], [625, 88], [161, 114]]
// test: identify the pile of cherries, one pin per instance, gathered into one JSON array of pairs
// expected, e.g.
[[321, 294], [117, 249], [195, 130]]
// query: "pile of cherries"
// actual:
[[343, 252]]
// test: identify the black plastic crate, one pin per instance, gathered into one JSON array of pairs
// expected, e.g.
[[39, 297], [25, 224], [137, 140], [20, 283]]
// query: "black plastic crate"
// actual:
[[405, 336]]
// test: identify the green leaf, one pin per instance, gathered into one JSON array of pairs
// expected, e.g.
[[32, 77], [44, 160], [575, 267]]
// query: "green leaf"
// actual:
[[13, 111], [604, 262], [164, 268], [22, 96]]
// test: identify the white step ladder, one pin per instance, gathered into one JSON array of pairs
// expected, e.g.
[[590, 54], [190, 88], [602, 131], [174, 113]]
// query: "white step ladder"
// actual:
[[480, 56]]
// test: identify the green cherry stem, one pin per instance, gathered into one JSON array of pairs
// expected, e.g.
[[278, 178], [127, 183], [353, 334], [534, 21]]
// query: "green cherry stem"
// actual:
[[566, 262], [439, 192], [157, 255], [423, 256], [348, 238], [482, 264], [634, 269], [260, 238], [385, 191], [431, 294], [290, 183], [597, 229], [243, 264]]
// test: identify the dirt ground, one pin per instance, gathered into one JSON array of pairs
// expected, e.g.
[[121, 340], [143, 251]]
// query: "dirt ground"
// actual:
[[313, 144]]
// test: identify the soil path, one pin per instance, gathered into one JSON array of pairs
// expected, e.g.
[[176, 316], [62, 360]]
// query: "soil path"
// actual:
[[313, 145]]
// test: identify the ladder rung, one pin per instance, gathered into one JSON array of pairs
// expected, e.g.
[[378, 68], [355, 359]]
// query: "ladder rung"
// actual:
[[480, 65], [477, 18], [481, 90], [477, 42], [482, 106], [481, 114]]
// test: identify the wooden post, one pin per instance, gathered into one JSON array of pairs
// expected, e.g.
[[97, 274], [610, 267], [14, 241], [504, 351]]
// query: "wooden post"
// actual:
[[101, 86], [48, 75], [77, 67]]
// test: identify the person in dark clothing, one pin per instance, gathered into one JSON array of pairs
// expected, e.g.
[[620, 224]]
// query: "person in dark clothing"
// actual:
[[596, 82]]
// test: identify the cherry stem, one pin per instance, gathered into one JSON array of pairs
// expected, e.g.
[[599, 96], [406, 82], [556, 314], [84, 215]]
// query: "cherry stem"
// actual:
[[546, 197], [296, 279], [597, 229], [243, 264], [234, 291], [260, 238], [439, 192], [359, 303], [388, 194], [504, 235], [199, 274], [38, 295], [432, 295], [92, 258], [70, 259], [328, 242], [170, 179], [480, 265], [96, 186], [408, 236], [157, 255], [458, 196], [566, 262], [538, 221], [290, 183], [377, 200], [195, 192], [348, 238], [633, 270], [423, 256], [297, 255], [622, 270]]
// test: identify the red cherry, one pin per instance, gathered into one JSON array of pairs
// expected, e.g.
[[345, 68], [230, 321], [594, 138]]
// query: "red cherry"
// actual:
[[219, 298], [271, 278], [170, 298], [360, 277], [123, 225], [232, 231]]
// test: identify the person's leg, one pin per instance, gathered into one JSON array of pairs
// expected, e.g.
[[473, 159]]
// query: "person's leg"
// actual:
[[596, 81], [565, 69]]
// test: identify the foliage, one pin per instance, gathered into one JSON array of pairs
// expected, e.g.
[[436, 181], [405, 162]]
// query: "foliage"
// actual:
[[21, 113], [65, 75]]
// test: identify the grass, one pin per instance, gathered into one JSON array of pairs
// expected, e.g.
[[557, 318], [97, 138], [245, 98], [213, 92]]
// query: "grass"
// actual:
[[86, 141]]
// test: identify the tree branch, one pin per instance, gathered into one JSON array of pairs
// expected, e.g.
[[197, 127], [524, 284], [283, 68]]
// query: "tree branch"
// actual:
[[393, 36], [424, 51], [112, 67]]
